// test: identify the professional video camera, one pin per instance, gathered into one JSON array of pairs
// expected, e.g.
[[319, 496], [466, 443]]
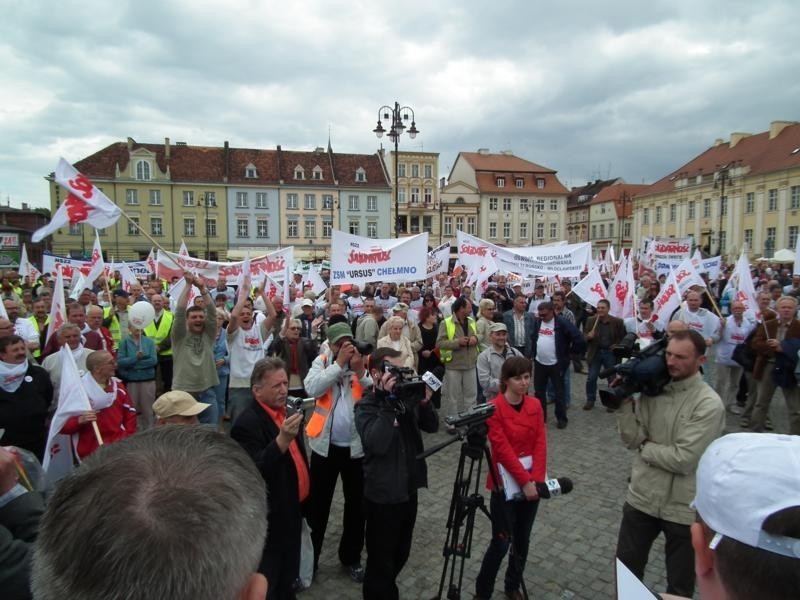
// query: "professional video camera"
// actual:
[[296, 405], [644, 371], [408, 386], [364, 348]]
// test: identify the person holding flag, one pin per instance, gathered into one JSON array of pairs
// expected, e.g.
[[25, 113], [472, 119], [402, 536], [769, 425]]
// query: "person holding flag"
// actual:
[[645, 325]]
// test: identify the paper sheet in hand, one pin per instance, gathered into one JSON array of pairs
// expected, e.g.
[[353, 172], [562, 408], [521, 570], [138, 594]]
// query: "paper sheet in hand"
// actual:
[[629, 587], [510, 484]]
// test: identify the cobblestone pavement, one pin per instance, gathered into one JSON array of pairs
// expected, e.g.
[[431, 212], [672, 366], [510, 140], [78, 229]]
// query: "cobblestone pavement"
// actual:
[[574, 536]]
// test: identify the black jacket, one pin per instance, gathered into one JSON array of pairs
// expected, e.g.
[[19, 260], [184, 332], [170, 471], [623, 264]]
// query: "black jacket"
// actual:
[[23, 412], [19, 524], [392, 472], [568, 340]]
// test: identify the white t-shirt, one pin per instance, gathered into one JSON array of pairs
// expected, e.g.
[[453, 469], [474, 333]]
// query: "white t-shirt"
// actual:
[[25, 329], [342, 424], [732, 335], [546, 343], [356, 305], [246, 347]]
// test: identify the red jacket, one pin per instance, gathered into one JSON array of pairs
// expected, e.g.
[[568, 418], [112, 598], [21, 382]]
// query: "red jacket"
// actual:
[[515, 434], [115, 422]]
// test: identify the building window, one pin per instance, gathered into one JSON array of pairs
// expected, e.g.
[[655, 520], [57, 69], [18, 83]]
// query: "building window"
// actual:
[[143, 170], [553, 230], [428, 171], [539, 205], [626, 230], [448, 225], [472, 228], [401, 170], [327, 227], [691, 210], [241, 199], [501, 182], [401, 195], [749, 202], [723, 206], [415, 195], [155, 197], [131, 197], [352, 203], [540, 183], [188, 227], [372, 203], [311, 228], [310, 202], [645, 217], [156, 227], [361, 175], [211, 227], [772, 200], [415, 224], [523, 204], [507, 204], [327, 201], [540, 231], [133, 226], [427, 223], [188, 198], [262, 228], [658, 215], [602, 230], [210, 198], [492, 204], [372, 229], [299, 172], [673, 213], [506, 230], [594, 232], [414, 170], [459, 223], [794, 197], [261, 200], [519, 182], [748, 238], [250, 172], [523, 231], [706, 208], [428, 195], [492, 230], [353, 227], [723, 239], [242, 228], [316, 173], [292, 228], [793, 231], [291, 201], [553, 204], [611, 230]]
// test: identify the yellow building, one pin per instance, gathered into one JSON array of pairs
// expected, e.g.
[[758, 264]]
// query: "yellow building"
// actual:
[[743, 191], [417, 193]]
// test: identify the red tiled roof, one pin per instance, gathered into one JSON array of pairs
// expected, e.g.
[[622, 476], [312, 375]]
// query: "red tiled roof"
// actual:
[[616, 193], [756, 153], [590, 189], [346, 165], [487, 183], [265, 162], [503, 163]]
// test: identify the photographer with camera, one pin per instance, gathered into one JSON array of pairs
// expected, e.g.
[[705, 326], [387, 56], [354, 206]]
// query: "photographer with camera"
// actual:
[[669, 432], [389, 422], [337, 382], [518, 440]]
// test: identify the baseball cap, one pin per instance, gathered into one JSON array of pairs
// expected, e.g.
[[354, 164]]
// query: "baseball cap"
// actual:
[[495, 327], [177, 403], [120, 292], [400, 306], [743, 478], [337, 331], [307, 302]]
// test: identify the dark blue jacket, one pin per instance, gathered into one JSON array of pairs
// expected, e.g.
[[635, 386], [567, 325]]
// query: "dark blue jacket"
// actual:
[[568, 341], [530, 320]]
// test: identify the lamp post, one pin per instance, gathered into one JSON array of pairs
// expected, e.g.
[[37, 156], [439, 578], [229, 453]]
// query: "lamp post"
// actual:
[[394, 118], [723, 177]]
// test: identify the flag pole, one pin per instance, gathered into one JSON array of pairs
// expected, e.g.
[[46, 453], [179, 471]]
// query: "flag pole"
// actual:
[[713, 302], [97, 433], [142, 231]]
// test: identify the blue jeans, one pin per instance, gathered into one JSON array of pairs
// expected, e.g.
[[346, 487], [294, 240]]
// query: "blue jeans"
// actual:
[[551, 389], [209, 416], [511, 523], [603, 359]]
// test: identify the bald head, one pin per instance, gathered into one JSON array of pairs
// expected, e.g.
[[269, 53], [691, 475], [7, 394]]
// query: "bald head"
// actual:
[[675, 326]]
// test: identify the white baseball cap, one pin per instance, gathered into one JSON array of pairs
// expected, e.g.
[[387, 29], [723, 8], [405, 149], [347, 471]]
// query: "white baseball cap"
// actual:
[[742, 479]]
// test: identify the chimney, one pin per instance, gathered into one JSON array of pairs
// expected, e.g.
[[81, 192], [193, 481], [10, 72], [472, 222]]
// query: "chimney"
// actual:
[[280, 173], [130, 144], [777, 126], [737, 137], [227, 158], [483, 151], [507, 152], [24, 206], [718, 142], [166, 148]]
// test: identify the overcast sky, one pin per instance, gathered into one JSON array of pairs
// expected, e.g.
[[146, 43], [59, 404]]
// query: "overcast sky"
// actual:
[[629, 89]]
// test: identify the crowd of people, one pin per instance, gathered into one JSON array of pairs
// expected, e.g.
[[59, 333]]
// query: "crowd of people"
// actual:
[[231, 359]]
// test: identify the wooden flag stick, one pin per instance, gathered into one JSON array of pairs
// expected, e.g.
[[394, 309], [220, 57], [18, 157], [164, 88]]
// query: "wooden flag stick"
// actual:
[[97, 433], [143, 232], [713, 302]]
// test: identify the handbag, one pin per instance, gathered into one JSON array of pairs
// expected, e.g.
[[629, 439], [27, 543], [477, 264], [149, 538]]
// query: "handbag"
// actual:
[[744, 355]]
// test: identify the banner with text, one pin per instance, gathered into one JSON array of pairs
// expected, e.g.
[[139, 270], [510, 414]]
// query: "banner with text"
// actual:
[[439, 260], [360, 260], [565, 260], [668, 253], [70, 266], [170, 265]]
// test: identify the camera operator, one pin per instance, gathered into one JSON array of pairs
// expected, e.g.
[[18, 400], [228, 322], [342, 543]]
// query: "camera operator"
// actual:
[[670, 431], [337, 382], [390, 433]]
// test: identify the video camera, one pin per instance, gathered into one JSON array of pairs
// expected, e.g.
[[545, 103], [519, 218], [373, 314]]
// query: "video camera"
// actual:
[[645, 371], [298, 405], [363, 348], [408, 388]]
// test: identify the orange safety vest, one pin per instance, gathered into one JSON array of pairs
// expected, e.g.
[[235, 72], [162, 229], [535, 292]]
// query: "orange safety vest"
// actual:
[[323, 405]]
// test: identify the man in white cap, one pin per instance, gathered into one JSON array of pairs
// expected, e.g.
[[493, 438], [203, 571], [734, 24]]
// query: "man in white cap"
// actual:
[[490, 361], [747, 536], [177, 408]]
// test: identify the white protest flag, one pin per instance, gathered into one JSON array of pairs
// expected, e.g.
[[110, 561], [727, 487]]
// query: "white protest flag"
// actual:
[[246, 272], [313, 279], [275, 288], [796, 257], [697, 259], [622, 290], [151, 263], [287, 283], [590, 289], [128, 278], [745, 290], [481, 270], [687, 276], [668, 300], [439, 260], [96, 264], [176, 289], [26, 268], [72, 402], [84, 204], [609, 259], [359, 260], [58, 308], [77, 285], [3, 313]]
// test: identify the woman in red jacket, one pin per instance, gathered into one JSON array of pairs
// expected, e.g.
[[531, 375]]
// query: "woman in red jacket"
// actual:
[[519, 459], [111, 407]]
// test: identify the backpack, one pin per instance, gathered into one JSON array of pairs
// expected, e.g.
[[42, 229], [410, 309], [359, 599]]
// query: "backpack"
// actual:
[[743, 354]]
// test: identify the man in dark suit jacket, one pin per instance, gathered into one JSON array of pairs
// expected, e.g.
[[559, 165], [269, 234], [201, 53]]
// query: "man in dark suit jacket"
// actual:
[[519, 323], [601, 332], [270, 437]]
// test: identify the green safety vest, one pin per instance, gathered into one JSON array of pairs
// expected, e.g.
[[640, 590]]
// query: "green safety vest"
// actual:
[[162, 332], [113, 325], [446, 354], [38, 352]]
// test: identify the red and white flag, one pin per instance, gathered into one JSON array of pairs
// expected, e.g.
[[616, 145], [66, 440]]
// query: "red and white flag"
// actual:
[[742, 282], [151, 263], [482, 270], [26, 268], [667, 301], [622, 290], [590, 289], [84, 204], [72, 402], [686, 276], [97, 265], [128, 278], [58, 308], [313, 279]]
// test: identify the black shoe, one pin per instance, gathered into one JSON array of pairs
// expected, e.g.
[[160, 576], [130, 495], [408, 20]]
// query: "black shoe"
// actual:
[[561, 425], [356, 572], [588, 406]]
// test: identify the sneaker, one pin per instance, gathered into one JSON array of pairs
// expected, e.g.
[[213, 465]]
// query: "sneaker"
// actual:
[[588, 406], [356, 572], [734, 409]]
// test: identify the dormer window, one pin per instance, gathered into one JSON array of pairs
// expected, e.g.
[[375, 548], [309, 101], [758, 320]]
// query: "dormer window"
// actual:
[[540, 183], [143, 170], [361, 175], [501, 182], [520, 182], [250, 171], [316, 173], [299, 172]]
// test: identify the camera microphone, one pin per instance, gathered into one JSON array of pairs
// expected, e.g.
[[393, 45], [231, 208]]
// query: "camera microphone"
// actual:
[[550, 488]]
